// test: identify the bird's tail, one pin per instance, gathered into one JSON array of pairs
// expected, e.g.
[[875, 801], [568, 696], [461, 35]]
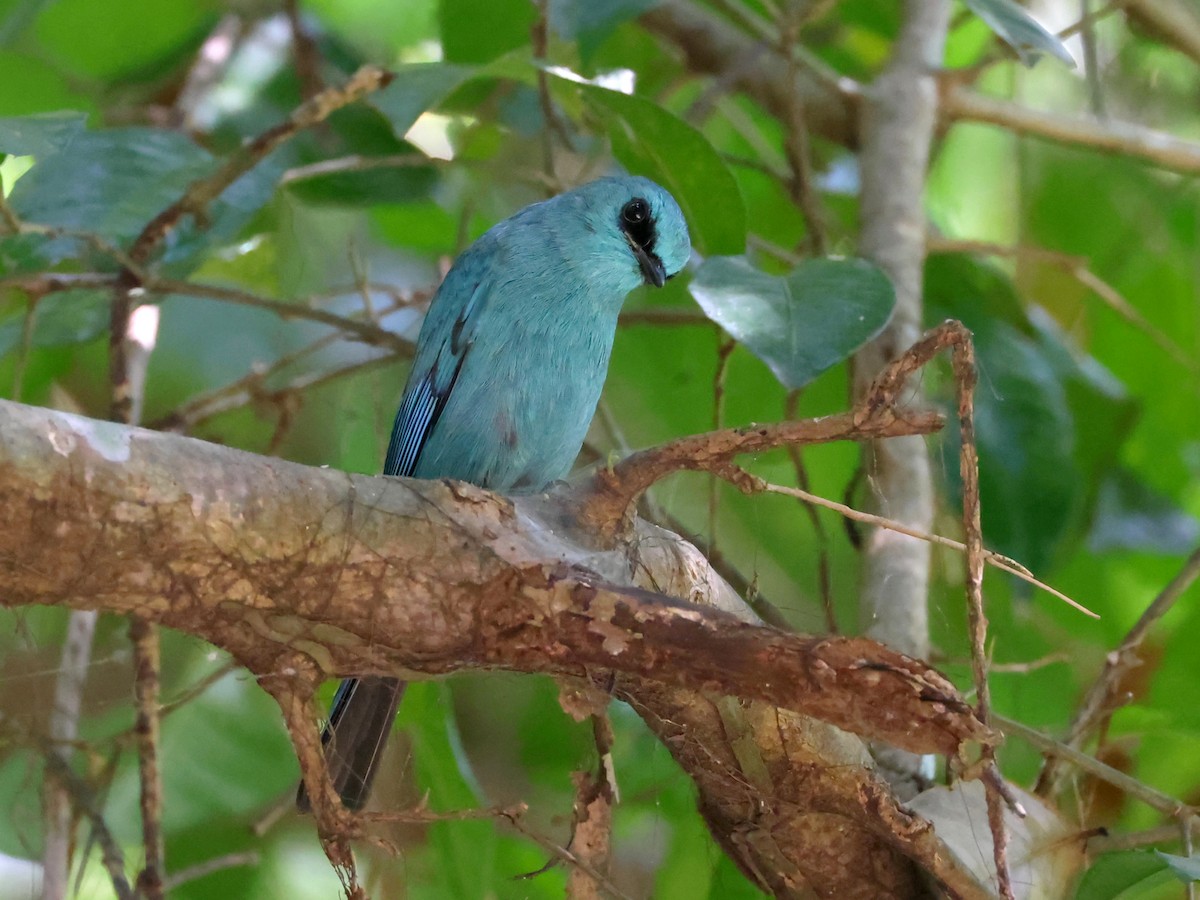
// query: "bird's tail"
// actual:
[[359, 724]]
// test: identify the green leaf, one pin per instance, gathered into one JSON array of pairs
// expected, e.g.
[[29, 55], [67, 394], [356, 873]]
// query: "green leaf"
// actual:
[[66, 317], [1186, 868], [591, 21], [368, 187], [1030, 490], [1038, 476], [246, 764], [103, 39], [112, 182], [415, 89], [466, 849], [41, 134], [1021, 31], [1127, 874], [651, 141], [478, 31], [802, 323], [107, 182]]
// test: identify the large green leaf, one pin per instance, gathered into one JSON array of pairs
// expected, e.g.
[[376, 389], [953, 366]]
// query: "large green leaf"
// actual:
[[1129, 875], [478, 31], [466, 849], [801, 323], [112, 182], [40, 134], [109, 183], [651, 141], [1038, 468], [1021, 31]]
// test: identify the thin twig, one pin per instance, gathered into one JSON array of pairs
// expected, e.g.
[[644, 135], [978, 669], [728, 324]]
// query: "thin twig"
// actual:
[[965, 376], [64, 727], [133, 335], [801, 185], [356, 163], [997, 560], [1108, 136], [538, 42], [28, 324], [1078, 268], [1101, 698], [203, 191], [147, 662], [824, 569], [366, 332], [84, 800], [725, 348], [208, 867], [1091, 60], [9, 222], [1164, 803], [305, 54], [566, 856]]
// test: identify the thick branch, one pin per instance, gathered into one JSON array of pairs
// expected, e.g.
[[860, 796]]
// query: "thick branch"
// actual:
[[280, 563], [372, 575], [898, 119]]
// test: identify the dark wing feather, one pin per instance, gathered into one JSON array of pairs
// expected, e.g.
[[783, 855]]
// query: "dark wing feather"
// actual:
[[428, 394]]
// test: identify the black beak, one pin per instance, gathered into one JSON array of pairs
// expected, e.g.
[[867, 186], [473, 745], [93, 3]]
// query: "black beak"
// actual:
[[653, 271]]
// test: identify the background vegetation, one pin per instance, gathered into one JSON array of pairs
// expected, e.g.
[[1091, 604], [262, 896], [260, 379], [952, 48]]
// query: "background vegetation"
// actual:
[[1072, 255]]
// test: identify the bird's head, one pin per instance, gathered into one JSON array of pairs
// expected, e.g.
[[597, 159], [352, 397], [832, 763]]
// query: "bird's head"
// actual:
[[637, 227]]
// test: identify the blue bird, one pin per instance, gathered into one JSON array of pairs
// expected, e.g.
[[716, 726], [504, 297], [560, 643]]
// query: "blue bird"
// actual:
[[509, 367]]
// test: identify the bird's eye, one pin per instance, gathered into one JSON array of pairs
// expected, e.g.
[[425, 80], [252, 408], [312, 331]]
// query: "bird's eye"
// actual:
[[636, 211]]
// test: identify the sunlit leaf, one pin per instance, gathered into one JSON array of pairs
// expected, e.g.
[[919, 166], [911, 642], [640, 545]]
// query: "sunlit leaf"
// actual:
[[415, 89], [801, 323], [1185, 868]]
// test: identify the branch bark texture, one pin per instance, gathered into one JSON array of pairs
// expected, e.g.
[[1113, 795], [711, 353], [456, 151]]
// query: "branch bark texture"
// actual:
[[898, 119], [277, 562]]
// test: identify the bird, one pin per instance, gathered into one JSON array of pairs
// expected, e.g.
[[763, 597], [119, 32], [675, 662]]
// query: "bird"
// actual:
[[508, 369]]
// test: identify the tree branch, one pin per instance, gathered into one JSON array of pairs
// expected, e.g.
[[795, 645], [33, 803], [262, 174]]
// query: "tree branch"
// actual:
[[831, 106], [303, 573]]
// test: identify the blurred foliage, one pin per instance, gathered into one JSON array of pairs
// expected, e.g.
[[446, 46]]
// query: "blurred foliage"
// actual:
[[1087, 410]]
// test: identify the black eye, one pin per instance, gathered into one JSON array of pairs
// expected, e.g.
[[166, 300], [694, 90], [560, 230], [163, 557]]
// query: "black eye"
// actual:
[[636, 211]]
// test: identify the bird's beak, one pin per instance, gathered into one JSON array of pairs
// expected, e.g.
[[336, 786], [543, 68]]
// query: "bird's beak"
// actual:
[[653, 270]]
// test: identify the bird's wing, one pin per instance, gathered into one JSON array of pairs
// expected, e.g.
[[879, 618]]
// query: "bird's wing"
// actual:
[[428, 391]]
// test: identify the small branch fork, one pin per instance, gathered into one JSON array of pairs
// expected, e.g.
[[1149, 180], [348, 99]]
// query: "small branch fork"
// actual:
[[618, 489]]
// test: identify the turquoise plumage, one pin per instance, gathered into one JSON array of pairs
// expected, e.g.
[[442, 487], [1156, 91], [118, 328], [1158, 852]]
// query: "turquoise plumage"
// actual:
[[509, 367]]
